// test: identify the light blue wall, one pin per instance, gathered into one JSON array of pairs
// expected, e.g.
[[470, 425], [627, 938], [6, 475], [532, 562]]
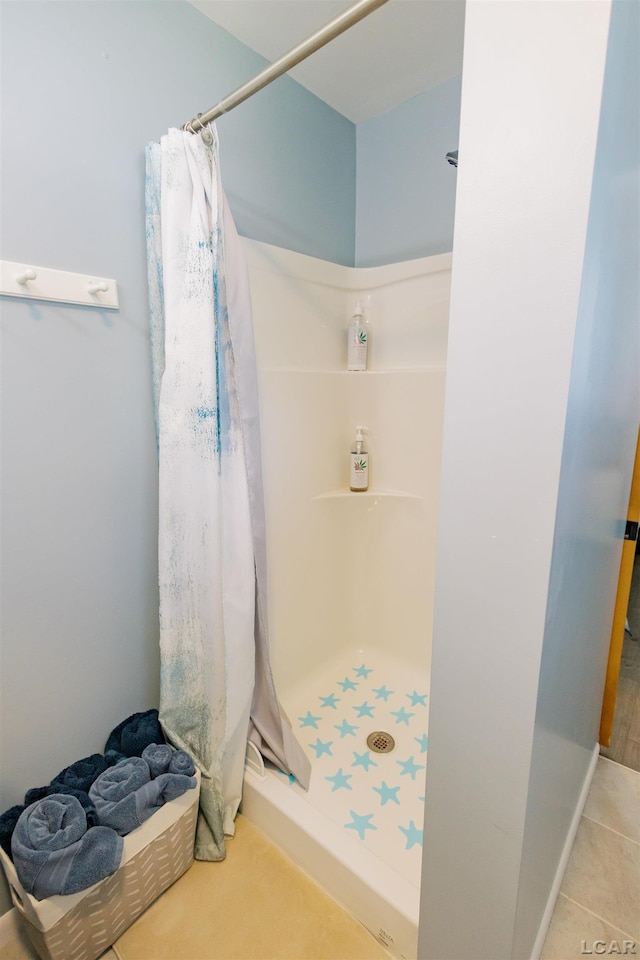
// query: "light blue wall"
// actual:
[[84, 87], [405, 188], [597, 461]]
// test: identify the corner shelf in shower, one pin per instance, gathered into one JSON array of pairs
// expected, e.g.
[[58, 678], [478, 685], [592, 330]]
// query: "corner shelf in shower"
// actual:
[[389, 371], [367, 494]]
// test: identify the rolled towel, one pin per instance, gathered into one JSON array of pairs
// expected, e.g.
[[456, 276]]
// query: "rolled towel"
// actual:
[[172, 785], [81, 774], [36, 793], [39, 793], [135, 733], [158, 756], [8, 822], [182, 762], [125, 795], [54, 853]]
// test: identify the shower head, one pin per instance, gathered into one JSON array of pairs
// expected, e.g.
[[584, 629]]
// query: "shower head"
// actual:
[[452, 158]]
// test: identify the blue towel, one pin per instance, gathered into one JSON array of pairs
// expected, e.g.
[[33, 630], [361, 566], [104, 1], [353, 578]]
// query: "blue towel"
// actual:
[[182, 762], [39, 793], [134, 734], [162, 759], [54, 853], [125, 795], [8, 822], [158, 756], [81, 774]]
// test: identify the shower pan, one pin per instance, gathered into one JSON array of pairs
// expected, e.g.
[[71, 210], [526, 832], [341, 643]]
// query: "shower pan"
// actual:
[[351, 575]]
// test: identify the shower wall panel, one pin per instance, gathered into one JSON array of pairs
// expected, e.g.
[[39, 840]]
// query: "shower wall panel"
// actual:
[[345, 568]]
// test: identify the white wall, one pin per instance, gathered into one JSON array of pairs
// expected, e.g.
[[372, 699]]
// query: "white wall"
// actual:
[[532, 85], [349, 570]]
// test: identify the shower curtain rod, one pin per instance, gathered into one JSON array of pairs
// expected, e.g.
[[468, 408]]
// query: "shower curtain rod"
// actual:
[[321, 37]]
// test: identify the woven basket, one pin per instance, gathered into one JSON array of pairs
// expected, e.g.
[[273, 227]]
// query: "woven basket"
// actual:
[[82, 926]]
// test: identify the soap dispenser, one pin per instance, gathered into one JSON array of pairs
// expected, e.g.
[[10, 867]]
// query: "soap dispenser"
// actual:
[[358, 340], [359, 472]]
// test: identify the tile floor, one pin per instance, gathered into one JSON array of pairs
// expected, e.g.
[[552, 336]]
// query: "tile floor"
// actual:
[[598, 910]]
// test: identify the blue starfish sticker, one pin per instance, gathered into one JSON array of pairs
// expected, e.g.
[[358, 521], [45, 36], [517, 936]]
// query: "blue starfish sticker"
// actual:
[[309, 720], [347, 684], [402, 716], [330, 701], [360, 823], [365, 710], [363, 671], [387, 793], [291, 778], [346, 729], [339, 780], [364, 760], [422, 742], [410, 767], [321, 747], [418, 698], [412, 834], [382, 693]]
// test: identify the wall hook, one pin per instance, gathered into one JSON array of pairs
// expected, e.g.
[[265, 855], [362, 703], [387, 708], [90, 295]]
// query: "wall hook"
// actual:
[[60, 286], [25, 276]]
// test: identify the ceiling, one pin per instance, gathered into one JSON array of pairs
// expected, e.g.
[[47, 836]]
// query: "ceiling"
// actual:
[[398, 51]]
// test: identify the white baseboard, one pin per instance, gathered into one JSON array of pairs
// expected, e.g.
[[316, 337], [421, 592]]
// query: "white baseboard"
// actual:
[[8, 926], [564, 859]]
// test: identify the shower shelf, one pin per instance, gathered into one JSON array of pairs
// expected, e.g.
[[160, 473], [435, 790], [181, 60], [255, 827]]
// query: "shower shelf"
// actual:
[[390, 371], [367, 494]]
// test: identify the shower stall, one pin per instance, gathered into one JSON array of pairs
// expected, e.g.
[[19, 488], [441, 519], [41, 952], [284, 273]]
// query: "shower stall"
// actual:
[[351, 575]]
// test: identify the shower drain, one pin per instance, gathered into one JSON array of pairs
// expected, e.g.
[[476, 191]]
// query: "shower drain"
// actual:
[[380, 742]]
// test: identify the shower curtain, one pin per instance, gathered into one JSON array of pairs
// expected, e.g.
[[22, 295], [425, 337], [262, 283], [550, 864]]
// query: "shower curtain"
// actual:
[[216, 684]]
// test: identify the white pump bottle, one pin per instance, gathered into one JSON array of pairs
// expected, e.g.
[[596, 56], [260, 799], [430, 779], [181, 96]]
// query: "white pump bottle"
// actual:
[[359, 469], [358, 340]]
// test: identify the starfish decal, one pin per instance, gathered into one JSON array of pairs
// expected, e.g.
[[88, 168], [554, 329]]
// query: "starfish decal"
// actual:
[[382, 693], [412, 834], [291, 778], [339, 780], [347, 684], [321, 747], [360, 823], [309, 720], [365, 710], [402, 716], [330, 701], [410, 768], [422, 742], [363, 671], [364, 760], [387, 793], [346, 729], [418, 699]]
